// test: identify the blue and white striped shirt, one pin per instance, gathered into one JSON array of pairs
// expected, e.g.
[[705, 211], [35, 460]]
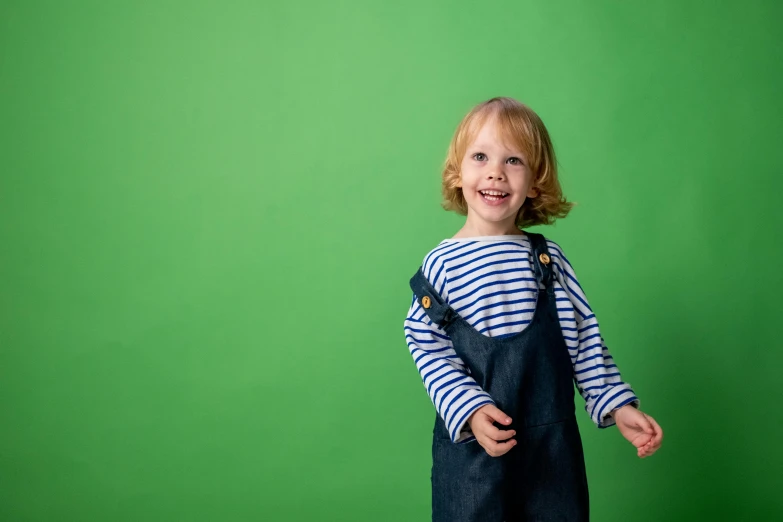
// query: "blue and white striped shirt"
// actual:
[[489, 281]]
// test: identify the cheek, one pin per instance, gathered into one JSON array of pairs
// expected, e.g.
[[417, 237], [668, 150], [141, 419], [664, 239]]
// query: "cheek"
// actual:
[[469, 180], [525, 182]]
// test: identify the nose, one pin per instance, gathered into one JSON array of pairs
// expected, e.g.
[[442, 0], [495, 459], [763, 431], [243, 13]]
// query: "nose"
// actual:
[[495, 173]]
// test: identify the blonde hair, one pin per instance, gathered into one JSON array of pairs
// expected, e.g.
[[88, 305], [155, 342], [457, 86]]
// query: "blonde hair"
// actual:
[[520, 126]]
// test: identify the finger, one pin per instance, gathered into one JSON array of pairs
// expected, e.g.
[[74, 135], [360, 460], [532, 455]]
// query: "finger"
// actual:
[[495, 414], [497, 449], [487, 431], [644, 423], [652, 444], [642, 440], [644, 450], [651, 448], [497, 434], [658, 431]]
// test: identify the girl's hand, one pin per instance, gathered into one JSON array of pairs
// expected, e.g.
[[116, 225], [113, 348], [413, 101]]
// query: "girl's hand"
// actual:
[[640, 429], [487, 435]]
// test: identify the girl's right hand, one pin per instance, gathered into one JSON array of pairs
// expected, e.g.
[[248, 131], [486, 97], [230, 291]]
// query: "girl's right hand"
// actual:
[[488, 436]]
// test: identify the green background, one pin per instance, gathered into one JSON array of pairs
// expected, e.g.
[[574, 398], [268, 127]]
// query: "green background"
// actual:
[[210, 211]]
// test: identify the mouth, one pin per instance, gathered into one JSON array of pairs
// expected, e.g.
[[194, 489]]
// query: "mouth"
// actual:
[[493, 197]]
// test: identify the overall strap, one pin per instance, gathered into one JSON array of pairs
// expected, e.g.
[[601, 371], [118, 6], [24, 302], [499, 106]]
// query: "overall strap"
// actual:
[[542, 262], [430, 300]]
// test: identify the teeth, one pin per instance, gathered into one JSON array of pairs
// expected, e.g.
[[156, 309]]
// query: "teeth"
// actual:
[[493, 193]]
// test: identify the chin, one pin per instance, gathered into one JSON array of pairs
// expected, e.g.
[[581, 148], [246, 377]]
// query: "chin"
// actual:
[[495, 218]]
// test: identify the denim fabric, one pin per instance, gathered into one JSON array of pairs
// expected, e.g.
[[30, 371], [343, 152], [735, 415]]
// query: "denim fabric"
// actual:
[[530, 377]]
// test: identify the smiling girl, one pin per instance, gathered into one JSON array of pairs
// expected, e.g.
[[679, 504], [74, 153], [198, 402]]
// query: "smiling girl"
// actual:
[[501, 331]]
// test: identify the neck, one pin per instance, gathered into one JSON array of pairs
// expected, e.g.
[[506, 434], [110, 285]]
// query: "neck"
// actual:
[[472, 228]]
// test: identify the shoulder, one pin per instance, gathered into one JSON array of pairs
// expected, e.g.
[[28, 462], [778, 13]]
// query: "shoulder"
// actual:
[[439, 261], [557, 253], [554, 248], [436, 258]]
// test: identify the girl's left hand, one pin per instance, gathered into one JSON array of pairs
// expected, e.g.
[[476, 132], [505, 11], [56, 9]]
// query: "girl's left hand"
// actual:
[[640, 429]]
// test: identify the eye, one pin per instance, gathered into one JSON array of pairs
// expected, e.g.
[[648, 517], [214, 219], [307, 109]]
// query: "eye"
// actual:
[[480, 156]]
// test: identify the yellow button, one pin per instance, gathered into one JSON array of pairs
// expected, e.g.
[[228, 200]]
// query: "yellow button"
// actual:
[[544, 258], [425, 301]]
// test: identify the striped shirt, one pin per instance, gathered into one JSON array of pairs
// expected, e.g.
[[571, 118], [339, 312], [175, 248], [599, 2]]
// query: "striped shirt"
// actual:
[[489, 281]]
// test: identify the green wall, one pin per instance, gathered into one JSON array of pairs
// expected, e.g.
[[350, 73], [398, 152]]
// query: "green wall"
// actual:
[[209, 213]]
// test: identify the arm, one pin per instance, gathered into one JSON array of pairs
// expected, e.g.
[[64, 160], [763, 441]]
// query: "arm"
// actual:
[[595, 373], [453, 392]]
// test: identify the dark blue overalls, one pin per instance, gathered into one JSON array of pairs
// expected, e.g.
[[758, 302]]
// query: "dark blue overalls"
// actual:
[[530, 377]]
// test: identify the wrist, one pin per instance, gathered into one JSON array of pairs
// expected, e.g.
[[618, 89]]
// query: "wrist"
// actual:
[[622, 408], [469, 422]]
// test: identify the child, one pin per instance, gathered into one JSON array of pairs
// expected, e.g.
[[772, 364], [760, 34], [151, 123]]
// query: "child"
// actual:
[[500, 331]]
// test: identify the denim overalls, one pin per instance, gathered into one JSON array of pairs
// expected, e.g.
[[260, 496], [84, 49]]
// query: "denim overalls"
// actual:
[[530, 377]]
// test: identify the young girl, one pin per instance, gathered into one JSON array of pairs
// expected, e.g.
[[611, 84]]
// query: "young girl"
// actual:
[[500, 330]]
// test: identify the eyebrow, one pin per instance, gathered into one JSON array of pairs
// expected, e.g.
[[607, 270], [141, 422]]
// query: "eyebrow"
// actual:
[[484, 146]]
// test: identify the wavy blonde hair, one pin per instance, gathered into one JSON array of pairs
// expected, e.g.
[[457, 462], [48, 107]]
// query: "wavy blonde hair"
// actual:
[[520, 126]]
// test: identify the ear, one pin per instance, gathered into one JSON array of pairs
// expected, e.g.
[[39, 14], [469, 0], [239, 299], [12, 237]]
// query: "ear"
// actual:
[[459, 183], [532, 193]]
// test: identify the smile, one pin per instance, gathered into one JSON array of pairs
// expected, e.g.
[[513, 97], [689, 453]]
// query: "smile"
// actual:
[[493, 196]]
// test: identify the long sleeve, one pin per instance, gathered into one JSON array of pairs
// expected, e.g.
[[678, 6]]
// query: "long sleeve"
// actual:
[[454, 393], [595, 372]]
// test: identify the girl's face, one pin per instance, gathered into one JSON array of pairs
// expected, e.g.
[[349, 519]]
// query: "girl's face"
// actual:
[[495, 181]]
